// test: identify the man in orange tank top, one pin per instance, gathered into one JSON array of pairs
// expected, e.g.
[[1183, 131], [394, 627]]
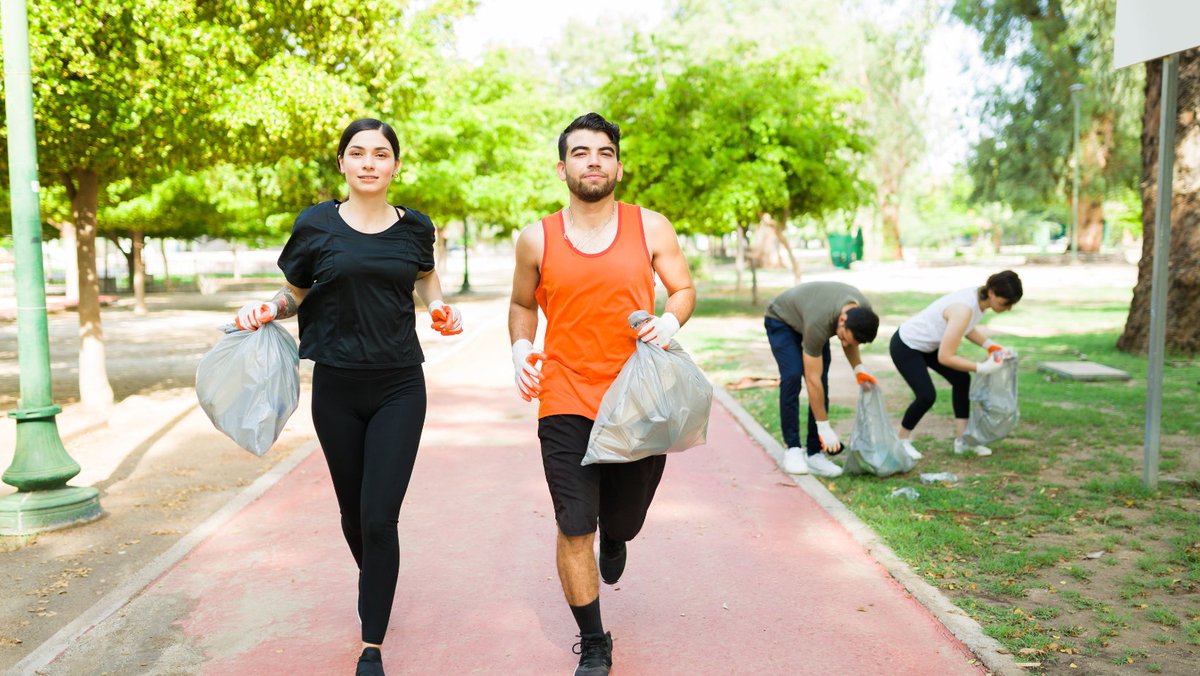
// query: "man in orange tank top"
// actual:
[[587, 268]]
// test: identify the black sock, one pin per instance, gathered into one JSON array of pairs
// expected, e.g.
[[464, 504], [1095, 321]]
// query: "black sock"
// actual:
[[588, 618], [371, 655]]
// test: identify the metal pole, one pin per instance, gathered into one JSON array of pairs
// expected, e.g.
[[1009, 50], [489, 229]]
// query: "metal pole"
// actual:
[[41, 466], [1158, 280], [1075, 89]]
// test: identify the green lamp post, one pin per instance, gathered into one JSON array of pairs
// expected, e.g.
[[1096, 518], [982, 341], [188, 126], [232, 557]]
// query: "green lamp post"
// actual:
[[41, 466]]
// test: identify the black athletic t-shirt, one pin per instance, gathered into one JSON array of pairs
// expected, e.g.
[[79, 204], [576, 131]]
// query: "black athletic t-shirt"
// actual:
[[359, 309]]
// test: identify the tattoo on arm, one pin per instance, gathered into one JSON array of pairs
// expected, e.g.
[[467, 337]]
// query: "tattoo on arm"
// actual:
[[285, 303]]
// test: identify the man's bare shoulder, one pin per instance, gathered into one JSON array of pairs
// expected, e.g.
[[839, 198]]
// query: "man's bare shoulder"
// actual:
[[531, 235], [655, 222]]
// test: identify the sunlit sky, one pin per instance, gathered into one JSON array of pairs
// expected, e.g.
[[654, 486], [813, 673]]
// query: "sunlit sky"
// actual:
[[954, 69]]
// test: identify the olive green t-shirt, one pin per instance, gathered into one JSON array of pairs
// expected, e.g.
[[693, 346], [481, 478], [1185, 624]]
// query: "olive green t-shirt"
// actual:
[[812, 310]]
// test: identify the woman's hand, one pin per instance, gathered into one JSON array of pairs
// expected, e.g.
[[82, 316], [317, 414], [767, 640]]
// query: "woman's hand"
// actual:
[[447, 320]]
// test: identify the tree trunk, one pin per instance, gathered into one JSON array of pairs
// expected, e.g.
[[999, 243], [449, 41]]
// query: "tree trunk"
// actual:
[[889, 211], [739, 261], [71, 273], [162, 246], [139, 272], [744, 236], [94, 391], [1091, 223], [1183, 287], [780, 227]]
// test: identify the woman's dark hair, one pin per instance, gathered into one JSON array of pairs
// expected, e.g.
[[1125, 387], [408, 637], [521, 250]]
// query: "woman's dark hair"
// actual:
[[1006, 285], [591, 122], [369, 124], [862, 323]]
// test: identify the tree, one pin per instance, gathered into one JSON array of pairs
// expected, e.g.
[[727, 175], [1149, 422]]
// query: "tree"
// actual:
[[181, 206], [138, 89], [1183, 280], [891, 69], [482, 149], [705, 146], [1023, 158]]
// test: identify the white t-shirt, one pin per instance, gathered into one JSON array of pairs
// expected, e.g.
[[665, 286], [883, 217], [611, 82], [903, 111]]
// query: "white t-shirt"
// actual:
[[924, 332]]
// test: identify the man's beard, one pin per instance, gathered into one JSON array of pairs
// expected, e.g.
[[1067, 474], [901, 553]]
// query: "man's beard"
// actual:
[[590, 192]]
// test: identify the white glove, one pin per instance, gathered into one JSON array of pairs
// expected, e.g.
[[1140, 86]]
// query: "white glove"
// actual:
[[254, 315], [447, 320], [989, 365], [659, 330], [829, 439], [528, 375]]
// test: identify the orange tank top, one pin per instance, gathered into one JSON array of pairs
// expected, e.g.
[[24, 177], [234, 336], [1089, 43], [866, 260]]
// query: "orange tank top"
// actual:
[[587, 299]]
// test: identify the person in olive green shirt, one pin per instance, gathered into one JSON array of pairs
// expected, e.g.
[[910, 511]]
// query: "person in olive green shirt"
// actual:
[[799, 323]]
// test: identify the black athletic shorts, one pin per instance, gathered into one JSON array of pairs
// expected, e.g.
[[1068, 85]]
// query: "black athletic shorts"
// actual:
[[616, 494]]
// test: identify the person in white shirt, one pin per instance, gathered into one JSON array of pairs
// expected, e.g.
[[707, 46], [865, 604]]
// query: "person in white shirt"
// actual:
[[930, 340]]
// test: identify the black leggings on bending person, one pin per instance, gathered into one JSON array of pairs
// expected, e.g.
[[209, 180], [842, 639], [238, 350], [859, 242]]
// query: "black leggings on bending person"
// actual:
[[369, 425], [914, 366]]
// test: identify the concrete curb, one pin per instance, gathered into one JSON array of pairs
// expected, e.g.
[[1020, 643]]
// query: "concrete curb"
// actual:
[[119, 597], [990, 652]]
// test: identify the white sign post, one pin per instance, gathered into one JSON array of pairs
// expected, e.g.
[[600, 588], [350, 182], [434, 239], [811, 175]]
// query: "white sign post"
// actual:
[[1146, 30]]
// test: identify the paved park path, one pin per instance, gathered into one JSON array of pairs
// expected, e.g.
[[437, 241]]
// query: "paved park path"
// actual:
[[737, 571]]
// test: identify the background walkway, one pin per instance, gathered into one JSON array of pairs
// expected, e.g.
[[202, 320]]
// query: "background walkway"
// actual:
[[736, 571]]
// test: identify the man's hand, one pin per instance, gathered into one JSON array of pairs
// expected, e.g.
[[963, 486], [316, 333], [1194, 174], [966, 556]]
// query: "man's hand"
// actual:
[[447, 320], [659, 330], [528, 374], [830, 443], [254, 315], [989, 365], [865, 380]]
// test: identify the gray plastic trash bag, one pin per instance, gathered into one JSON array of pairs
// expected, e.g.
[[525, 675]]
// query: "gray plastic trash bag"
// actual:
[[659, 403], [994, 411], [249, 385], [875, 447]]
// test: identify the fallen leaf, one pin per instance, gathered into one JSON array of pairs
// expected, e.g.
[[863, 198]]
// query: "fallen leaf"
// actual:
[[1028, 651]]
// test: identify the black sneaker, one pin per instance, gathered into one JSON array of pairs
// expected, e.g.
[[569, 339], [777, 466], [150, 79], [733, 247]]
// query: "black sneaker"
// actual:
[[595, 654], [612, 559], [370, 663]]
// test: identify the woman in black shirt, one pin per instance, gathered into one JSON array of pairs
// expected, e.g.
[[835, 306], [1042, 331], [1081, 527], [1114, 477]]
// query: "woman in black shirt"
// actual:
[[351, 269]]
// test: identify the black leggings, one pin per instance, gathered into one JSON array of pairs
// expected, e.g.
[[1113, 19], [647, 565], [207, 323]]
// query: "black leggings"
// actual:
[[369, 425], [914, 366]]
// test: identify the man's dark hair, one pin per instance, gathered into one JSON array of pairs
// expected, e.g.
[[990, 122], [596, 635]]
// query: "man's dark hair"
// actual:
[[1006, 285], [369, 124], [862, 323], [591, 122]]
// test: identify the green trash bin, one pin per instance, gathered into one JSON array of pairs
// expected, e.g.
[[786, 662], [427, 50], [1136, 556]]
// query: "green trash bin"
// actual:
[[841, 250]]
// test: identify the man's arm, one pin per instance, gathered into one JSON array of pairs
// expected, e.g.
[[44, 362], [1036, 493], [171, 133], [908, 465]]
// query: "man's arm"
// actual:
[[852, 355], [668, 261], [522, 306], [816, 391]]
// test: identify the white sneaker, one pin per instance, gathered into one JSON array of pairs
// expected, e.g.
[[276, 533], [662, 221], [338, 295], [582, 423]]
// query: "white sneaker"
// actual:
[[821, 466], [961, 447], [794, 461], [911, 450]]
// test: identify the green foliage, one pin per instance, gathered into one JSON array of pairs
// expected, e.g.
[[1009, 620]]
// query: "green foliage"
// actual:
[[703, 143], [483, 146], [1023, 157], [138, 91]]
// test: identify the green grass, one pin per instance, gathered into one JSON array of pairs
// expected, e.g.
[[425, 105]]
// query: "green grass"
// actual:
[[1066, 483]]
